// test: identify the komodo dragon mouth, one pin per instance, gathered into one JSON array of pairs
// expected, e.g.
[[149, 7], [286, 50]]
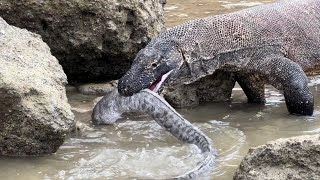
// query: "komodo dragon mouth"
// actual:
[[155, 86], [130, 84]]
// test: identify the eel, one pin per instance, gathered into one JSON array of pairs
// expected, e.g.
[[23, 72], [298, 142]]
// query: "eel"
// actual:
[[113, 105]]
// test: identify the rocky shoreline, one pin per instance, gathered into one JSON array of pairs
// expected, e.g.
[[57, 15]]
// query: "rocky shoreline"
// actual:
[[89, 42], [96, 42]]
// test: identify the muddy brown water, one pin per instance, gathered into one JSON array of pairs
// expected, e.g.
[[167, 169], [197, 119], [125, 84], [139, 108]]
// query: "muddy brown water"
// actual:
[[139, 148]]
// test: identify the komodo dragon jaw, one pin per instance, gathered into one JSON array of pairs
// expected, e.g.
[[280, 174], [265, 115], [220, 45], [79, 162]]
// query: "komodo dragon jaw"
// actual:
[[129, 88], [153, 67]]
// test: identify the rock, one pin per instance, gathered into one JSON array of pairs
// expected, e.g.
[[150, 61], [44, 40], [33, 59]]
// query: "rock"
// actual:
[[214, 88], [293, 158], [182, 96], [35, 116], [98, 89], [93, 40], [71, 89], [83, 127]]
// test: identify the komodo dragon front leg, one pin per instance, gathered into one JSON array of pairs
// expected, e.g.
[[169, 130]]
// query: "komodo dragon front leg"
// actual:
[[285, 75]]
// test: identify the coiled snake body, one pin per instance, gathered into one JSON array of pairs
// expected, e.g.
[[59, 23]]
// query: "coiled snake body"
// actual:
[[110, 108]]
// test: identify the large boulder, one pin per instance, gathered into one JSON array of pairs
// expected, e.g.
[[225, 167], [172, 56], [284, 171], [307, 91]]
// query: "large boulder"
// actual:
[[93, 40], [35, 116], [293, 158]]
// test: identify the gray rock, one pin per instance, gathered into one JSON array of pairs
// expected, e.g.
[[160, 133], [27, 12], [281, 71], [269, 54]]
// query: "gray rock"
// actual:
[[214, 88], [98, 89], [93, 40], [34, 113], [293, 158]]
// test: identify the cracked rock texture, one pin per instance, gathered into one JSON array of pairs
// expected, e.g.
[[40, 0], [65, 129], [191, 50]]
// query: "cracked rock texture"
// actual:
[[35, 116], [93, 40], [214, 88], [293, 158]]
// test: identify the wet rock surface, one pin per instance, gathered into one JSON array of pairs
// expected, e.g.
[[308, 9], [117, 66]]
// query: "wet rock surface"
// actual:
[[98, 89], [35, 116], [93, 40], [214, 88], [292, 158]]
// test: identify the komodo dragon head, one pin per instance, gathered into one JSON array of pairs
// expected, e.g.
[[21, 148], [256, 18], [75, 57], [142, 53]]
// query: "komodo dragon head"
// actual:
[[157, 65]]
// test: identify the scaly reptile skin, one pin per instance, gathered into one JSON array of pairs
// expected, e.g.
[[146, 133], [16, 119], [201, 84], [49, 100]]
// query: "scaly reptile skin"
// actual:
[[274, 43], [110, 108]]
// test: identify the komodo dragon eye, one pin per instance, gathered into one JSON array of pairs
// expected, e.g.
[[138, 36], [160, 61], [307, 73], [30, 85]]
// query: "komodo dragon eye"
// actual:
[[154, 65]]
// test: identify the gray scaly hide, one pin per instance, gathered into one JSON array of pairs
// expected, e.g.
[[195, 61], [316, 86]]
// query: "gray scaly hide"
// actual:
[[274, 43], [110, 108]]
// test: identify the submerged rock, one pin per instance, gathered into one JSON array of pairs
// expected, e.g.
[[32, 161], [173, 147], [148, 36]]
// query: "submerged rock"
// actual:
[[93, 40], [213, 88], [100, 89], [293, 158], [34, 113]]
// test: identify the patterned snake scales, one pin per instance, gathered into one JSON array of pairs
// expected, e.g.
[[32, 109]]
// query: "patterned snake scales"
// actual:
[[110, 108]]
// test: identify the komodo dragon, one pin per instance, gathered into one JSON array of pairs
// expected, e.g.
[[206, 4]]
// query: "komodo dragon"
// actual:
[[270, 44]]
